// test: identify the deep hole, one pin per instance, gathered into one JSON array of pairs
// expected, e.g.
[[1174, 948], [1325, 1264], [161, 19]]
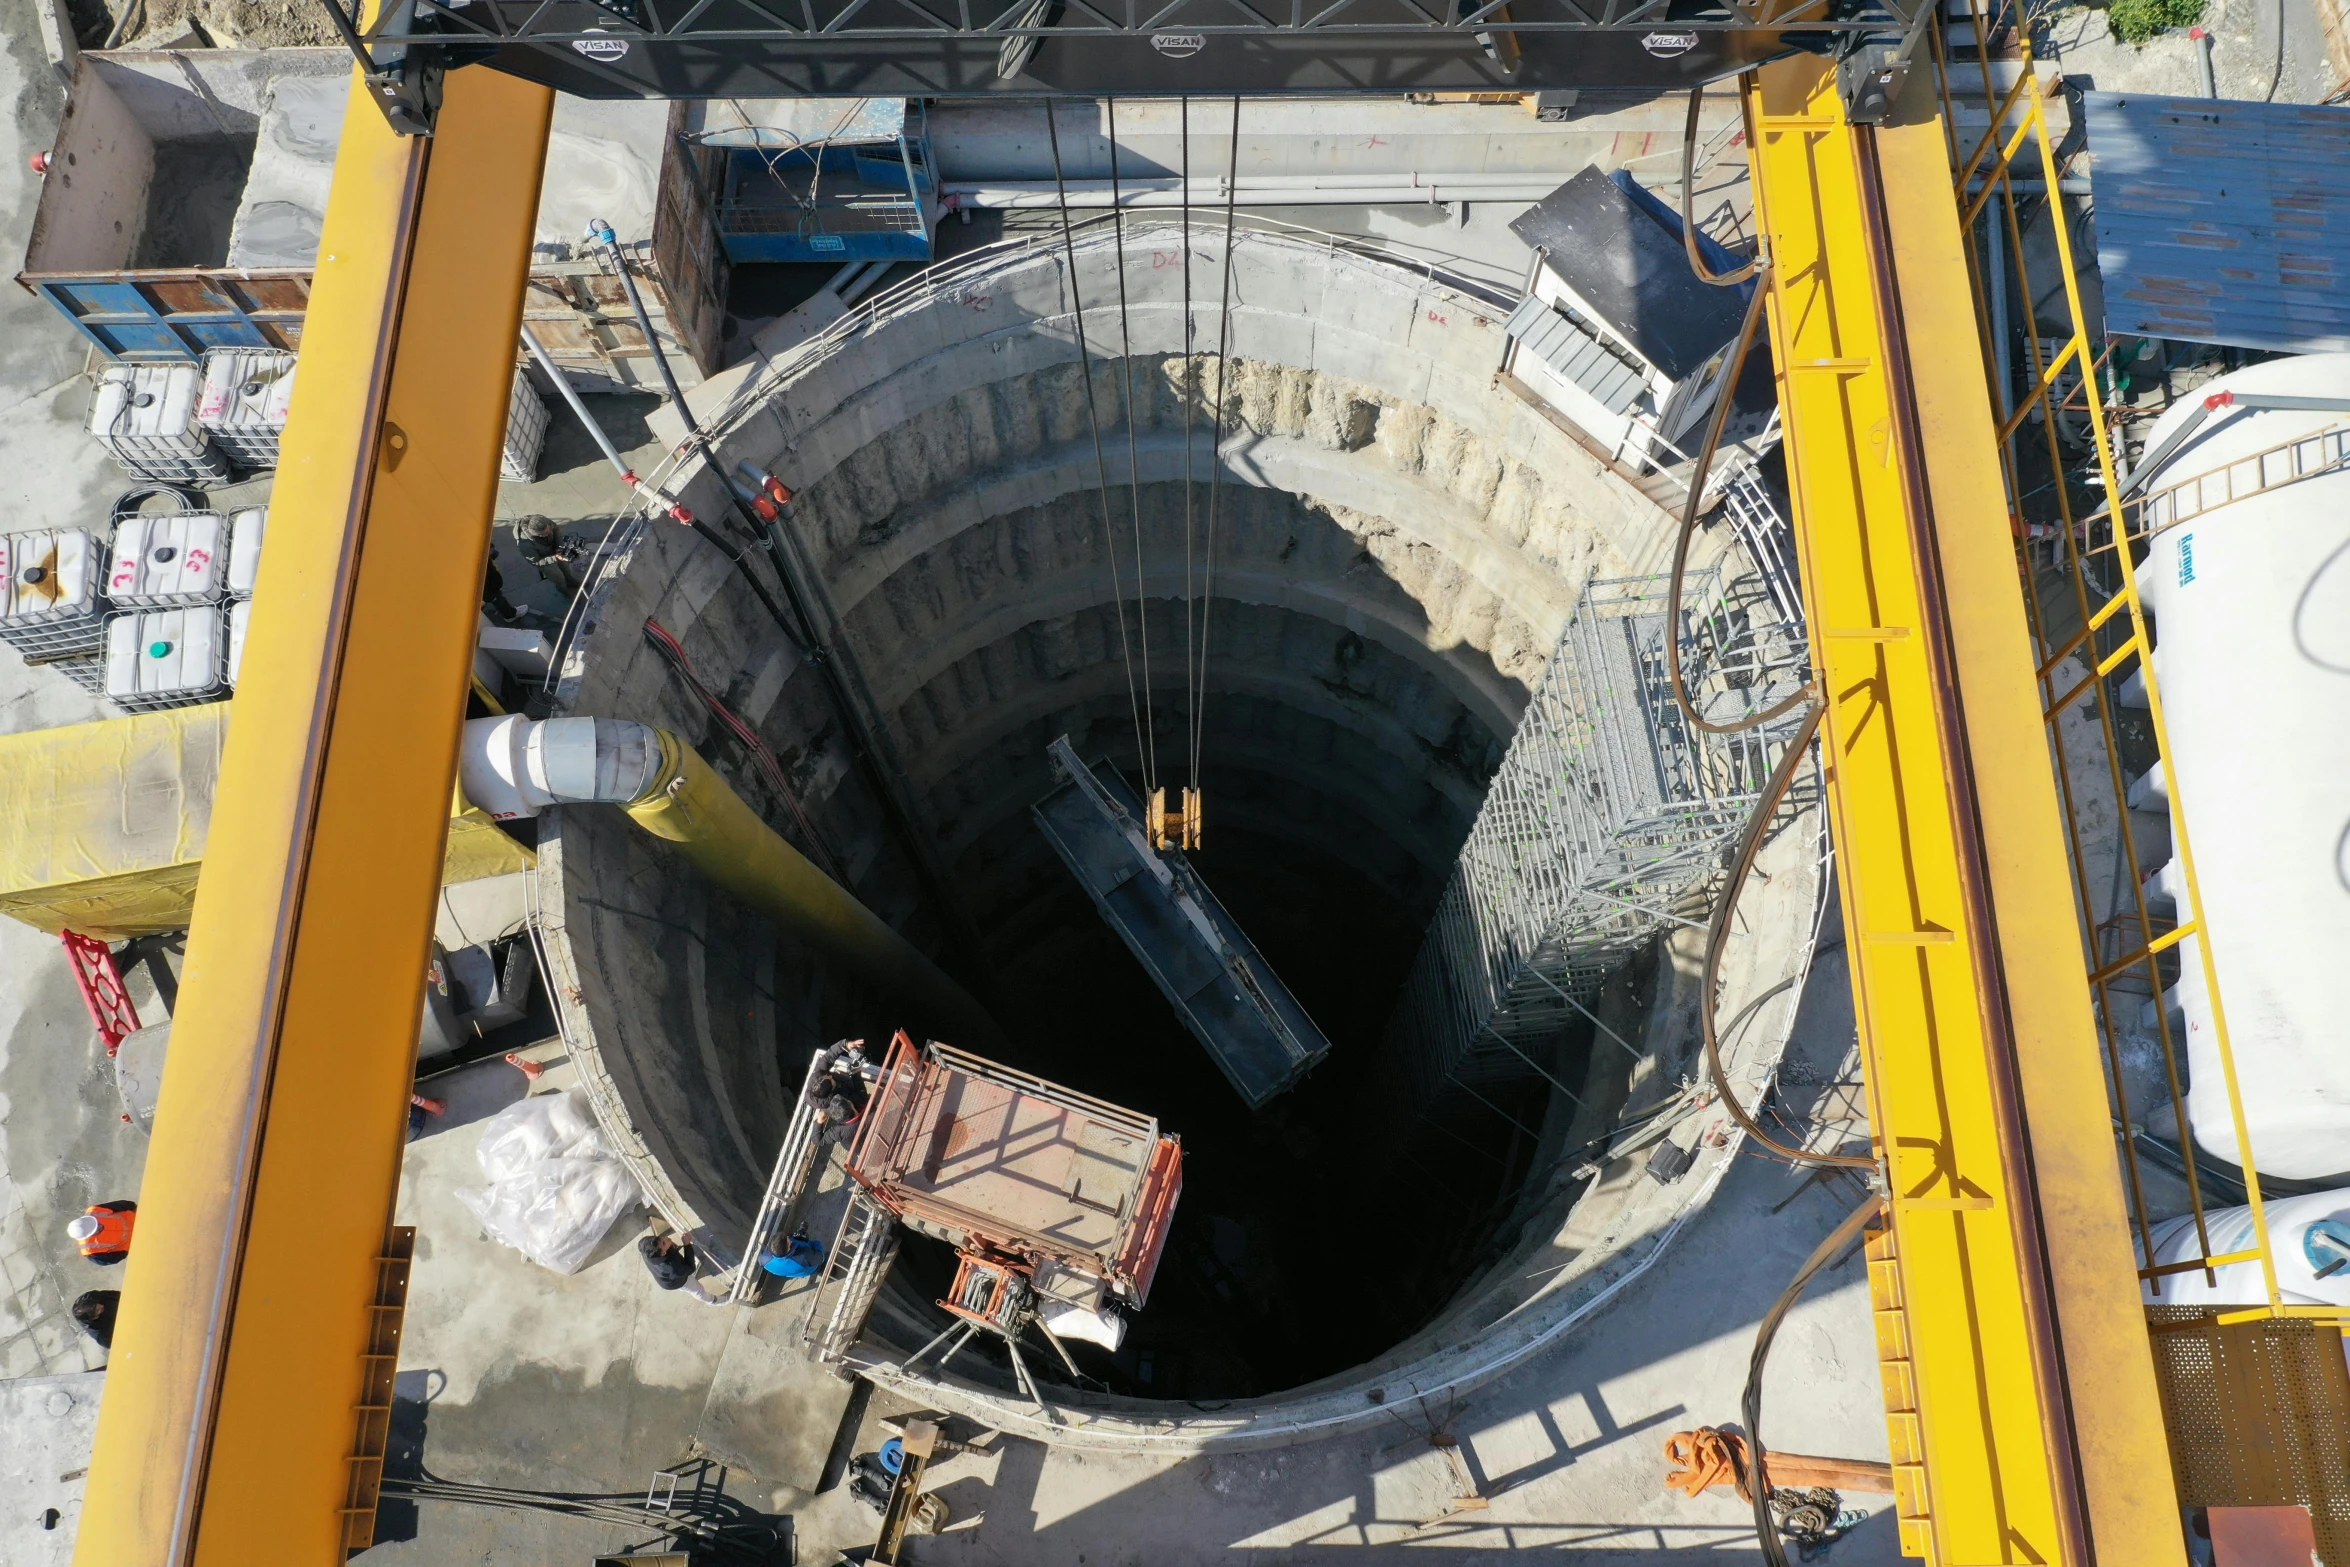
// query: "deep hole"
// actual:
[[1311, 1236]]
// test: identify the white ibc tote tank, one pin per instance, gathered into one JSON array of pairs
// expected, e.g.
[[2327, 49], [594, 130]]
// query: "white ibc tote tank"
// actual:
[[2251, 604]]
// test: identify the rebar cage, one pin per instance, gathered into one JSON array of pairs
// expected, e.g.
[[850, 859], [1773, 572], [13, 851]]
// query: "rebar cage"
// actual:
[[1606, 823]]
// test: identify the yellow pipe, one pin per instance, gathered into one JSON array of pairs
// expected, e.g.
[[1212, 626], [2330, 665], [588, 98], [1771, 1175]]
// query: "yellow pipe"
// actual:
[[693, 807]]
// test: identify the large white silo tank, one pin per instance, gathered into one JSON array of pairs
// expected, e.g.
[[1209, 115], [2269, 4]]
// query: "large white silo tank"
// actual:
[[2251, 605]]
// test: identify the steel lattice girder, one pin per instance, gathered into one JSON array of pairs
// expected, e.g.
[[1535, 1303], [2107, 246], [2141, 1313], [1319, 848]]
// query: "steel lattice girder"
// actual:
[[1029, 48]]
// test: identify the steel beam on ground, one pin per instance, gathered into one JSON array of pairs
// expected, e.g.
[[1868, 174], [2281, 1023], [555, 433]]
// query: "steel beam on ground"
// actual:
[[230, 1424]]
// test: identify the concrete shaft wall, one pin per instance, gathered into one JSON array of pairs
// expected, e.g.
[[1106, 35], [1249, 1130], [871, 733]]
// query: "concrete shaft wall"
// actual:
[[1398, 542]]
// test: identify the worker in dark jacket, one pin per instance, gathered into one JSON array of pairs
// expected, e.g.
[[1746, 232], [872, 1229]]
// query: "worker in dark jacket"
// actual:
[[670, 1261], [840, 1090], [542, 544], [96, 1310], [103, 1232]]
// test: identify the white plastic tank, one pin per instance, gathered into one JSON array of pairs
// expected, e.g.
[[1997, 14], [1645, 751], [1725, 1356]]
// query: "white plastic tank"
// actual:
[[246, 528], [145, 415], [2251, 605], [526, 432], [163, 658], [240, 621], [2308, 1237], [49, 601], [167, 560], [247, 394]]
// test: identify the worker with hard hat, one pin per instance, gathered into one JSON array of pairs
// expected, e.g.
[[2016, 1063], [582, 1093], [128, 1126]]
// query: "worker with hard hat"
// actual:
[[103, 1232]]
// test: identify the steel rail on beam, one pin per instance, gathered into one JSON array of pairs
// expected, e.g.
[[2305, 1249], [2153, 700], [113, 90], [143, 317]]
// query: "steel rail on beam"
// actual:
[[243, 1414], [2018, 1381]]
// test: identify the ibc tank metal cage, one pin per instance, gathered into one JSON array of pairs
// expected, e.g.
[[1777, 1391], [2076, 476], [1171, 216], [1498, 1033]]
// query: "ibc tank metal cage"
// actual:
[[2093, 650], [823, 180]]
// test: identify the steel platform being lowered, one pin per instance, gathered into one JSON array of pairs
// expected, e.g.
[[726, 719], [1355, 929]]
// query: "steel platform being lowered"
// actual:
[[1197, 954]]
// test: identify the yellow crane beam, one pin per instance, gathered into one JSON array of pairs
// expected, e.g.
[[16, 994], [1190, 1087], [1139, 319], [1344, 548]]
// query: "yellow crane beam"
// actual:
[[2018, 1380], [247, 1390]]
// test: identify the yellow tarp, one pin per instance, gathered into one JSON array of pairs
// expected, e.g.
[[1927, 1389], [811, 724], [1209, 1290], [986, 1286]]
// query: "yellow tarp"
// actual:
[[102, 826]]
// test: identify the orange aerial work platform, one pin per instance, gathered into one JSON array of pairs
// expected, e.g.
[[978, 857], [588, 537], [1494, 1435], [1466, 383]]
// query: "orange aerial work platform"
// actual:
[[994, 1161]]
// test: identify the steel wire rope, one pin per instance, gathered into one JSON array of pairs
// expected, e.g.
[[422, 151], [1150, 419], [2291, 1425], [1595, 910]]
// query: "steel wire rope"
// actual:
[[1766, 1527], [1190, 398], [1798, 745], [1717, 940], [1688, 194], [1142, 627], [1207, 606], [1093, 415]]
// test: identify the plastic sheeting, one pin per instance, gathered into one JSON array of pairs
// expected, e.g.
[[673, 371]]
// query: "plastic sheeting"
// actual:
[[554, 1186], [102, 826]]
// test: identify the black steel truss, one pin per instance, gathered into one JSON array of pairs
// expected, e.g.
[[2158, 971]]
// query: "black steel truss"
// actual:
[[943, 48]]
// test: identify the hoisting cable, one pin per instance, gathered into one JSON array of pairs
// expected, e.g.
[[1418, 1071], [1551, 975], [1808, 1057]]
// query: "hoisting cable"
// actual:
[[1717, 939], [1798, 744], [1766, 1527], [1190, 369], [1142, 628], [1216, 463], [1093, 416], [1697, 477]]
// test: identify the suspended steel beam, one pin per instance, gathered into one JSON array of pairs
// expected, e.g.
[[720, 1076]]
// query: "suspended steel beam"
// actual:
[[243, 1414], [1193, 949]]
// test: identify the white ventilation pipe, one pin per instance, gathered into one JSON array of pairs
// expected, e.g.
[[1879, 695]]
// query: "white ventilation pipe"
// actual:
[[513, 767]]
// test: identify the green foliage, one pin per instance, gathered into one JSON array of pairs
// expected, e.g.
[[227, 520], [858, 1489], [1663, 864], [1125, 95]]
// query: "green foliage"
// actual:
[[2135, 21]]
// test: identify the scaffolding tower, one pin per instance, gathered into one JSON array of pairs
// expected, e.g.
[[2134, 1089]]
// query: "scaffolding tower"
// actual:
[[1607, 821]]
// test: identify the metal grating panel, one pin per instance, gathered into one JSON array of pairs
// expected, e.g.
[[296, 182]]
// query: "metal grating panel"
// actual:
[[2258, 1414]]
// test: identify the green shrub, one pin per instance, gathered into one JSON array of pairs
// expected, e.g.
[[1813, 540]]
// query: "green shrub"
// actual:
[[2135, 21]]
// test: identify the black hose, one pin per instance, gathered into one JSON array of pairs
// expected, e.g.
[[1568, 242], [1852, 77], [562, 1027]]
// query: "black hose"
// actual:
[[1717, 940], [1697, 477], [1688, 225], [1766, 1527]]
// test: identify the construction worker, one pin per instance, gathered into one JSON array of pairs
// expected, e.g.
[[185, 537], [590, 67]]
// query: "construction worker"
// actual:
[[541, 543], [96, 1310], [670, 1261], [840, 1091], [103, 1232], [799, 1258]]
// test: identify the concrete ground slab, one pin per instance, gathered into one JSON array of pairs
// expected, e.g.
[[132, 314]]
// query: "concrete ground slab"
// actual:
[[47, 1425]]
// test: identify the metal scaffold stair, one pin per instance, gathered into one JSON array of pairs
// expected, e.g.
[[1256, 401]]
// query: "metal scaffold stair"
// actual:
[[854, 1269], [787, 1188]]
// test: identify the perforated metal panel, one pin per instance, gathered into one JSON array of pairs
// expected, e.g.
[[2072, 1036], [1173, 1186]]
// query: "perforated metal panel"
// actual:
[[2259, 1415]]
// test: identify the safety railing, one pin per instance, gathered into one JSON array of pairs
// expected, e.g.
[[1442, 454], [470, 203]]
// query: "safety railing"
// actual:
[[2093, 638]]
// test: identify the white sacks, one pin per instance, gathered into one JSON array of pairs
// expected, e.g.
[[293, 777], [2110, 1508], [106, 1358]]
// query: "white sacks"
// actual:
[[555, 1187]]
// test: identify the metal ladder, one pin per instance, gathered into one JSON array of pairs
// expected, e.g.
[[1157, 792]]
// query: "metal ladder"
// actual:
[[854, 1268], [786, 1188]]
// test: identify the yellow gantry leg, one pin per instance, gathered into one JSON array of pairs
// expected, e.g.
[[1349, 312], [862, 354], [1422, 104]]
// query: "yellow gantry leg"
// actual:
[[232, 1429], [2018, 1380]]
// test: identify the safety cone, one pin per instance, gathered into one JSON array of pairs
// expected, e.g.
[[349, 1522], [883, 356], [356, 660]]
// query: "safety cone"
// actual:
[[528, 1068]]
